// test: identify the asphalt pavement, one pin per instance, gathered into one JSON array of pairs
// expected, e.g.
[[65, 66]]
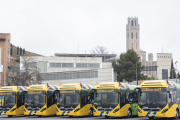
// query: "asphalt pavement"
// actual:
[[75, 118]]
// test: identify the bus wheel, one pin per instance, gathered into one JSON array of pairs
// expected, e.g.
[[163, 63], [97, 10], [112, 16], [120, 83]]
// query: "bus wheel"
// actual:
[[10, 115], [177, 114], [151, 117], [129, 114], [106, 116], [90, 113]]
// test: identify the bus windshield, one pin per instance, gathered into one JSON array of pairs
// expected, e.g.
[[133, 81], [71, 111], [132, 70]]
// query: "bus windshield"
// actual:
[[35, 98], [106, 98], [153, 97], [68, 98], [7, 99]]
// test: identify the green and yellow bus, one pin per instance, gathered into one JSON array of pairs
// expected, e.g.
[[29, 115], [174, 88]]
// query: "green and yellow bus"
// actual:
[[74, 100], [12, 100], [115, 99], [41, 100], [160, 98]]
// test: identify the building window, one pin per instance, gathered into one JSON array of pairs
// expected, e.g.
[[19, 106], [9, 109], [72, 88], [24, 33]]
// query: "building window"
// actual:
[[93, 65], [132, 23], [168, 56], [70, 75], [89, 65], [54, 64], [135, 22], [136, 35], [158, 56], [132, 45], [61, 64], [127, 35], [67, 65], [136, 45], [132, 35]]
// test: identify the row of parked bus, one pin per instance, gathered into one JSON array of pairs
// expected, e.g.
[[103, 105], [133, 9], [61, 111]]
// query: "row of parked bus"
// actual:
[[157, 98]]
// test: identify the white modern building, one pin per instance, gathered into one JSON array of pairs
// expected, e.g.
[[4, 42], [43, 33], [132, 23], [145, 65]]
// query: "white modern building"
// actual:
[[75, 68]]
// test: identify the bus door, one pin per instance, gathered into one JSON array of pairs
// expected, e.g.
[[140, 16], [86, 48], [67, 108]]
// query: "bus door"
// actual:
[[21, 101], [172, 98], [84, 101], [52, 100], [123, 93], [133, 101]]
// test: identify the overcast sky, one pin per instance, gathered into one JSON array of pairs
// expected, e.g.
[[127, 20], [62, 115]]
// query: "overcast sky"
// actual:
[[58, 26]]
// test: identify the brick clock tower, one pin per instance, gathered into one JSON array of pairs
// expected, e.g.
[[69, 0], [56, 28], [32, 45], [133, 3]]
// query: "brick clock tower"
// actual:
[[132, 35]]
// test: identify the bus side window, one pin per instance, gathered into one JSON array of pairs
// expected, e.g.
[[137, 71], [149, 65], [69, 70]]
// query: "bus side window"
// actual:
[[83, 100], [122, 100], [178, 96], [91, 97], [50, 98]]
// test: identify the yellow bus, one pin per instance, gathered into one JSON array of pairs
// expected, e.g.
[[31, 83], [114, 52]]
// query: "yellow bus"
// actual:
[[74, 100], [115, 99], [41, 100], [159, 98], [12, 100]]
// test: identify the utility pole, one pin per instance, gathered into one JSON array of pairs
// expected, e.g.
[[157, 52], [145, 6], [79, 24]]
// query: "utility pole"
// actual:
[[176, 70]]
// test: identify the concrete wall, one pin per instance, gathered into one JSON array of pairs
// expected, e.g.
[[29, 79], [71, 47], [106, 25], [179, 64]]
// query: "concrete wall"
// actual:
[[163, 62], [104, 75]]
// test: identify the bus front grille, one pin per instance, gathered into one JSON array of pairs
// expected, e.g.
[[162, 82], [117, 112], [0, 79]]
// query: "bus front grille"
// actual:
[[107, 109], [67, 109], [151, 109]]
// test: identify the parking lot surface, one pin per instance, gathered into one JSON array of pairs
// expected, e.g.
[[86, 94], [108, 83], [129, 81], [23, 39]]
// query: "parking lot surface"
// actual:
[[74, 118]]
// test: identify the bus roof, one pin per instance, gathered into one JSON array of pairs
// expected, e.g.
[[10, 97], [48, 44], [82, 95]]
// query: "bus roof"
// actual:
[[75, 87], [43, 87], [159, 83], [114, 85], [13, 88]]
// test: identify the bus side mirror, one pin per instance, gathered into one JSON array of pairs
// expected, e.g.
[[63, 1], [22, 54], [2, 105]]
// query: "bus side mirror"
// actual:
[[139, 90]]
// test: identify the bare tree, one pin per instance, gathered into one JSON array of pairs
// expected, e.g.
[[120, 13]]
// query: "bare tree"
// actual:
[[29, 74], [99, 50]]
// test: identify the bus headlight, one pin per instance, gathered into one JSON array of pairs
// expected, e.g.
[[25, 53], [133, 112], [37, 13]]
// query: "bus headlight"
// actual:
[[76, 110], [43, 109], [116, 110], [165, 110], [13, 109], [139, 110]]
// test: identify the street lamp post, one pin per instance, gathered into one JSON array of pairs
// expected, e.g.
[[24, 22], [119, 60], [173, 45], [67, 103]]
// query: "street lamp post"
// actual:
[[176, 70], [172, 73], [136, 72]]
